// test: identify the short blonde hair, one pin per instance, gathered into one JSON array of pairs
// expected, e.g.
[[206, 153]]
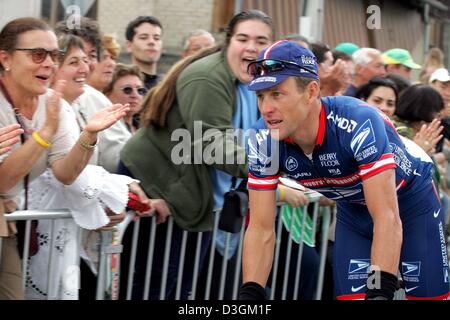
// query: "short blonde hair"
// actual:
[[110, 44]]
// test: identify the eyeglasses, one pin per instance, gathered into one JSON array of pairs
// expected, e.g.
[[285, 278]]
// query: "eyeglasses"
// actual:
[[260, 67], [38, 55], [128, 90]]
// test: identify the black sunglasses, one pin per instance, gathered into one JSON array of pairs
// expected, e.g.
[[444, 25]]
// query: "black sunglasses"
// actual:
[[128, 90], [38, 55], [266, 66]]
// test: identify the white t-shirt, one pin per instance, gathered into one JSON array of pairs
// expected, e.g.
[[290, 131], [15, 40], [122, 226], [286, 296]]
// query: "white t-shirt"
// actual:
[[61, 144], [111, 140]]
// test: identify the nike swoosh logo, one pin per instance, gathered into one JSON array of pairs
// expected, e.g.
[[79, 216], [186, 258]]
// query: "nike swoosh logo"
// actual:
[[358, 288], [436, 213], [416, 174], [410, 289]]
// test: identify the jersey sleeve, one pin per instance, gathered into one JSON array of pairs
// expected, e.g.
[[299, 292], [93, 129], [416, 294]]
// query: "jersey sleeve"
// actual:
[[370, 144], [263, 159]]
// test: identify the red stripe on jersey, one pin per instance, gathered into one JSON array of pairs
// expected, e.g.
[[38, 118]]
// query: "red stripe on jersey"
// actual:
[[386, 161], [255, 186], [401, 184], [352, 176], [443, 297], [356, 296], [383, 116], [320, 132], [369, 165], [322, 127], [376, 171], [250, 176], [436, 192]]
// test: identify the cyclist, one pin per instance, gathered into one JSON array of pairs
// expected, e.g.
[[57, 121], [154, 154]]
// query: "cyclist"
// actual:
[[388, 213]]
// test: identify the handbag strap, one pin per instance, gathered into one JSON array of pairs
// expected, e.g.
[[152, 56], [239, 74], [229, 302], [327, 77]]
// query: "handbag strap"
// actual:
[[233, 182], [241, 186], [22, 135]]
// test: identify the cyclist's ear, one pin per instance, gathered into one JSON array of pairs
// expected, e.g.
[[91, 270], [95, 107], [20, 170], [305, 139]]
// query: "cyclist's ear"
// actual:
[[312, 91]]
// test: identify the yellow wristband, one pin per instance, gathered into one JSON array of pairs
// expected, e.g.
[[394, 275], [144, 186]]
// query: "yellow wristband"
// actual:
[[40, 141], [280, 186]]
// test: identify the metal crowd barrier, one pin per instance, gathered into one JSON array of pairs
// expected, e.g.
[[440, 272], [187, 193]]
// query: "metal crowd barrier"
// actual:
[[107, 280], [28, 216], [208, 268], [109, 256]]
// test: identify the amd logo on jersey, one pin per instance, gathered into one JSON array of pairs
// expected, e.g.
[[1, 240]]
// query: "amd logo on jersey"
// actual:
[[343, 123]]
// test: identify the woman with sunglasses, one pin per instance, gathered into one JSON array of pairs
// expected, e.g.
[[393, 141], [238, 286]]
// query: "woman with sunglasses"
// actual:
[[88, 213], [127, 87], [28, 56]]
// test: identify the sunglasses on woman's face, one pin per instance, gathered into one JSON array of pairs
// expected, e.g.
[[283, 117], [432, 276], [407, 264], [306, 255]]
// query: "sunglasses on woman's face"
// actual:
[[128, 90], [38, 55]]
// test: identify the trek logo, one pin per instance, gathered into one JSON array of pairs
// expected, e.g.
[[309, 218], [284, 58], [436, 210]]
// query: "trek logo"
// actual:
[[357, 288], [357, 266], [363, 138], [308, 60], [342, 123], [436, 213], [291, 163], [411, 269]]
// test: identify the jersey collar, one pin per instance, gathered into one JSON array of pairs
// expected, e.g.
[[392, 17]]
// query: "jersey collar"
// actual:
[[320, 133], [322, 125]]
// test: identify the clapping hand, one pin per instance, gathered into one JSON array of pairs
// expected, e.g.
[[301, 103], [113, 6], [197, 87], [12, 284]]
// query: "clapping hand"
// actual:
[[429, 135], [53, 108], [9, 136], [106, 118]]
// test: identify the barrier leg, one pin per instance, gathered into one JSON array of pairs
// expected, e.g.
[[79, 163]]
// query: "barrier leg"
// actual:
[[326, 216]]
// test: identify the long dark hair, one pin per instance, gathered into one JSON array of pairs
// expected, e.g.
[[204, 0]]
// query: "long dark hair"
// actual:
[[244, 16], [366, 89], [419, 102], [160, 99]]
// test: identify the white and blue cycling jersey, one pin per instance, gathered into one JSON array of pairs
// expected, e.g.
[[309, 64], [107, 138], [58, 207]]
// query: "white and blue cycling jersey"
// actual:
[[354, 142]]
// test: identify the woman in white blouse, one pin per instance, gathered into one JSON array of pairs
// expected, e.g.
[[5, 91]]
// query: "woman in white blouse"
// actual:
[[28, 57]]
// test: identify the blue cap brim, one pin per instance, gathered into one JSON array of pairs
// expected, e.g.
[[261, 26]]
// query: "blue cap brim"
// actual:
[[266, 82]]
